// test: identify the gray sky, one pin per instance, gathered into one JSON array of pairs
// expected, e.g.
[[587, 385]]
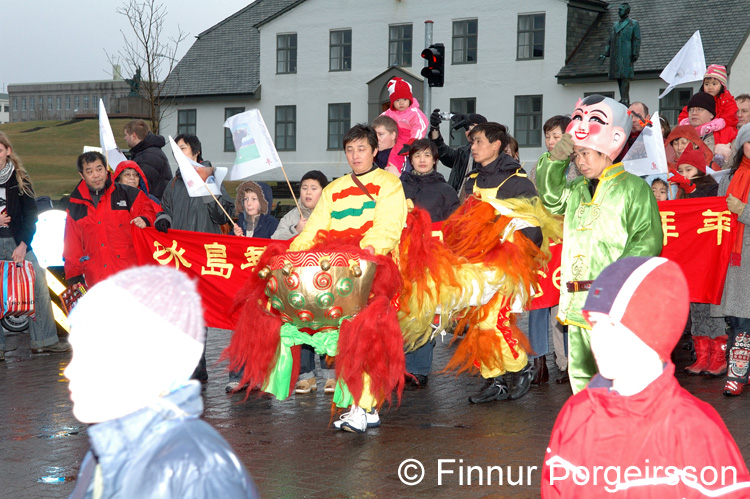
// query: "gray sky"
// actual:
[[46, 40]]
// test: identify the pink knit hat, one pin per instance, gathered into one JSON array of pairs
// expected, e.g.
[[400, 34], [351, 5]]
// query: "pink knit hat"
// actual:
[[717, 71]]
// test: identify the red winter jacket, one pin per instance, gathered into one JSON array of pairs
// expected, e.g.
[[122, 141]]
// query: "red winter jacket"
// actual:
[[608, 438], [726, 109], [98, 240]]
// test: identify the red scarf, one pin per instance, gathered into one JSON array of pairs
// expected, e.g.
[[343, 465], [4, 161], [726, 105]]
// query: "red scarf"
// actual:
[[739, 187]]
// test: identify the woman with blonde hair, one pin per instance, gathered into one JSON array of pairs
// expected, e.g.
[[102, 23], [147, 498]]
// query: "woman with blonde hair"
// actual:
[[18, 215]]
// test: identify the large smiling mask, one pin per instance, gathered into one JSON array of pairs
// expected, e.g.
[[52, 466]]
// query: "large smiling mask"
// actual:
[[601, 124]]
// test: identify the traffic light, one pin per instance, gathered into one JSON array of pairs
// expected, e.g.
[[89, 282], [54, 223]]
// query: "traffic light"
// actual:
[[434, 71]]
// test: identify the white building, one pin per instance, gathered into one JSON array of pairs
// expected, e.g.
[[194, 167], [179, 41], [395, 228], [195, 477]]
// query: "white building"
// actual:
[[323, 66], [4, 108]]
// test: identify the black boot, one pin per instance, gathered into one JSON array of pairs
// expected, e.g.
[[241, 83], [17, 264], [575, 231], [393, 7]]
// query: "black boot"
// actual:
[[541, 373], [493, 389], [520, 382]]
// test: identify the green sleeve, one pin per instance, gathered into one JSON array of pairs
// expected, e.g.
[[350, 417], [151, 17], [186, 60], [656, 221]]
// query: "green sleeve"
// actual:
[[645, 234], [552, 184]]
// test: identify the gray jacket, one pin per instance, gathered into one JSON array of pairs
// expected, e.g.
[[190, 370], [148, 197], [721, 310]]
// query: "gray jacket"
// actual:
[[287, 228], [200, 214], [735, 301], [165, 451]]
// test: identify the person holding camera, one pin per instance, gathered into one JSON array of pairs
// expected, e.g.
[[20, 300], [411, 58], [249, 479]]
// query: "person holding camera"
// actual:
[[458, 159]]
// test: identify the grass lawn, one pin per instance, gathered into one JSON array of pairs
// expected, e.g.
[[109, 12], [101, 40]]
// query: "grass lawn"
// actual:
[[49, 154]]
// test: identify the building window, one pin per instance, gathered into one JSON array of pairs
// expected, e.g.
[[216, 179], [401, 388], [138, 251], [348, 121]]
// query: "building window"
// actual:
[[67, 102], [528, 120], [49, 104], [399, 45], [85, 101], [286, 128], [228, 141], [6, 109], [286, 53], [23, 103], [339, 121], [341, 50], [611, 95], [672, 103], [467, 105], [77, 103], [59, 103], [186, 121], [15, 103], [530, 37], [32, 103], [94, 102], [465, 41], [104, 101]]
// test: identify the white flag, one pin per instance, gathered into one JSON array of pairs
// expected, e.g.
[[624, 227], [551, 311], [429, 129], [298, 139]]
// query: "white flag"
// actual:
[[107, 140], [647, 155], [688, 65], [256, 152], [196, 187]]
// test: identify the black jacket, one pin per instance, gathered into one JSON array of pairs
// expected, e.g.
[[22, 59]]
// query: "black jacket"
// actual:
[[22, 211], [456, 159], [432, 193], [510, 180], [152, 160]]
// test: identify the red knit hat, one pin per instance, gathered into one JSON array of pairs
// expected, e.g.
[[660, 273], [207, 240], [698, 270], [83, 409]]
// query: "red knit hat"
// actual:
[[398, 88], [718, 72], [693, 157], [649, 296]]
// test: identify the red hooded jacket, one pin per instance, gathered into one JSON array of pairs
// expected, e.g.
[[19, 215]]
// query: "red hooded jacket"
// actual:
[[98, 239], [644, 439]]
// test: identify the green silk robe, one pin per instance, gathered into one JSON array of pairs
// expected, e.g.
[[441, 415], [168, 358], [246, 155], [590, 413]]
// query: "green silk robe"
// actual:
[[621, 220]]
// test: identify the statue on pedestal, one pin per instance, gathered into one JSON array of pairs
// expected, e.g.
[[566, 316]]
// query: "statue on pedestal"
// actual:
[[623, 49]]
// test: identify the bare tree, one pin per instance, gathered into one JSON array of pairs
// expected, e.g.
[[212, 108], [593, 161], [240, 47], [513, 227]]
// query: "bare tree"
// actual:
[[148, 53]]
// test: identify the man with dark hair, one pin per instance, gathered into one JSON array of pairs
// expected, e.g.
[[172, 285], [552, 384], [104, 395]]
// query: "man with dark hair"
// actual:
[[146, 150], [458, 159], [368, 205], [609, 214], [98, 240], [639, 115]]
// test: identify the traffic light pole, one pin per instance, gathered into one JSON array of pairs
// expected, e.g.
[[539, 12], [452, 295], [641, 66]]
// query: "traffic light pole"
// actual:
[[427, 94]]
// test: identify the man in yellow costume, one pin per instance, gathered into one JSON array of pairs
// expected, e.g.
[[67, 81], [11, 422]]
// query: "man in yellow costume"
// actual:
[[367, 207]]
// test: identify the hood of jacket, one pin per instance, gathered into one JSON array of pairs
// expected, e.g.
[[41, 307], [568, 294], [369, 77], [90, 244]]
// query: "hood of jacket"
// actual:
[[412, 178], [124, 165], [150, 140]]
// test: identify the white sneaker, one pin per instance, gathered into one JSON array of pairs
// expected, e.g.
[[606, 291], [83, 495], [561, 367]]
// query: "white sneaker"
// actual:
[[355, 420], [373, 420]]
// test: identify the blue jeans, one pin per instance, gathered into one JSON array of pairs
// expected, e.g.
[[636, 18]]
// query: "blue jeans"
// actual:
[[307, 364], [420, 360], [539, 331]]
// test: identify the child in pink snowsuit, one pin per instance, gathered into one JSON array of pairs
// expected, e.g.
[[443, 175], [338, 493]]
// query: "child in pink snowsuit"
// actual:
[[412, 122], [724, 124]]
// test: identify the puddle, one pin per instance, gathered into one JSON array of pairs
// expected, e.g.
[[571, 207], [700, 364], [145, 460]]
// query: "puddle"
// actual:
[[55, 474]]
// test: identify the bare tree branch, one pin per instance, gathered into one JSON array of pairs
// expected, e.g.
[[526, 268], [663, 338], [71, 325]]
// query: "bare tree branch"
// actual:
[[148, 53]]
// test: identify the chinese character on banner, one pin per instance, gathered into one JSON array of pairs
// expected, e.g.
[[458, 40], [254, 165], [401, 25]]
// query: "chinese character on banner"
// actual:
[[252, 254], [216, 261], [165, 255], [667, 217], [716, 220]]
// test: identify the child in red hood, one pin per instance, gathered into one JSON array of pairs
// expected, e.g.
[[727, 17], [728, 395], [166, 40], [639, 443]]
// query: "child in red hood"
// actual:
[[634, 431], [412, 122]]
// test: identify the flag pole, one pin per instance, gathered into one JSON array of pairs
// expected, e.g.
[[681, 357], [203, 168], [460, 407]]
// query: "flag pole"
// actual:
[[220, 205], [290, 187]]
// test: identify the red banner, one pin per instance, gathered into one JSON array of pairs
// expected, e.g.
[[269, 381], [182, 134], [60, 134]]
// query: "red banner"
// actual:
[[221, 264], [697, 235]]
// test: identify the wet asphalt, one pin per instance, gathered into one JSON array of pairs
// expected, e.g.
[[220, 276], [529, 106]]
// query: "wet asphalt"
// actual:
[[290, 449]]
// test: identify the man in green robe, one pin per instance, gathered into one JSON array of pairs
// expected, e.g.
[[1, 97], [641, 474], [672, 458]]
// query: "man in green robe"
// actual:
[[609, 214]]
